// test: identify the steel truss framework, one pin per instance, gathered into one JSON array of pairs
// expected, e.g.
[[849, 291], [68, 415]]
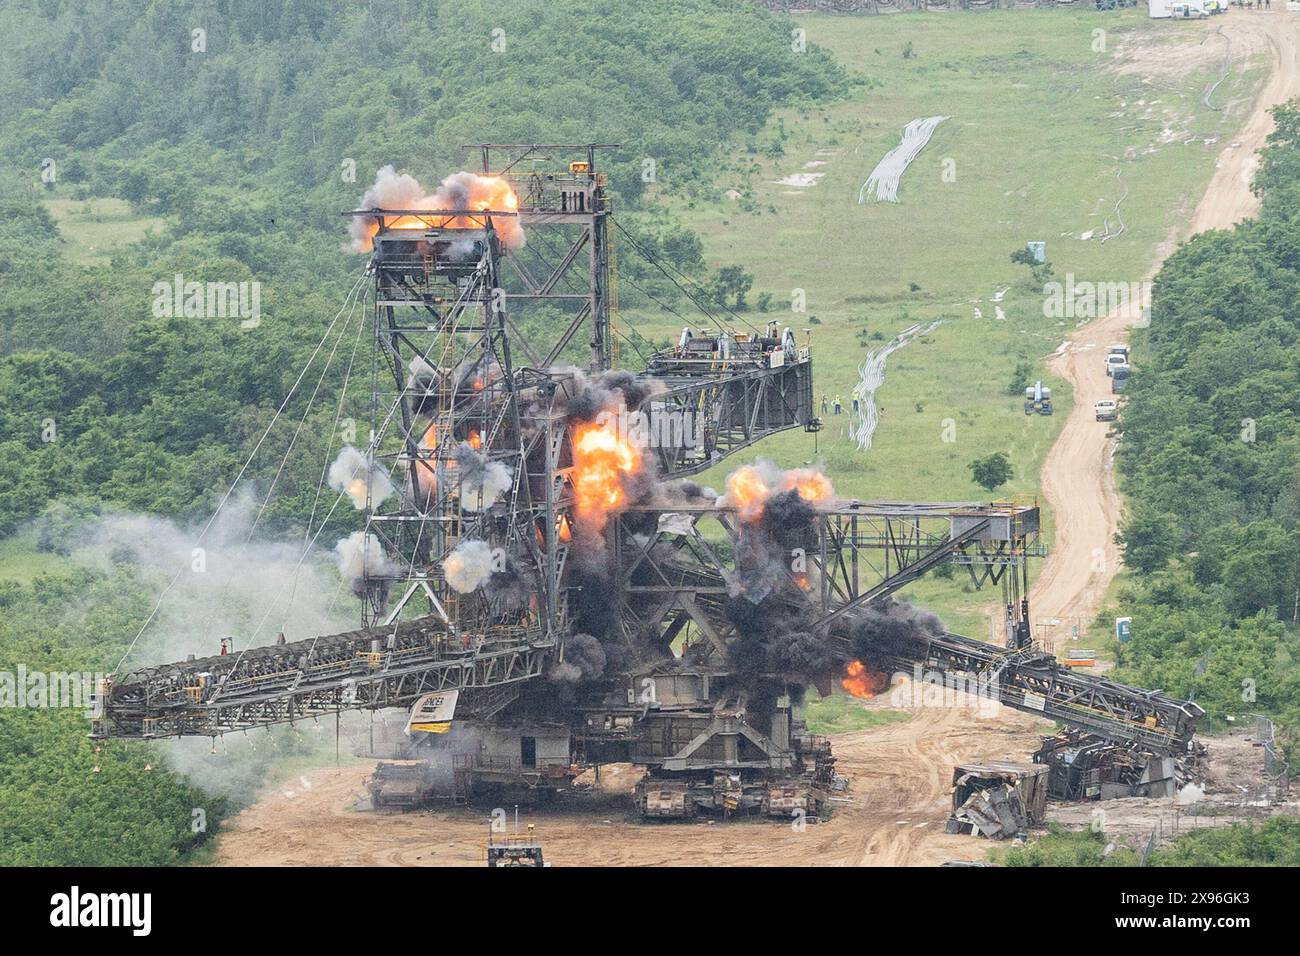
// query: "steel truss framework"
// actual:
[[1034, 682], [444, 375], [451, 304], [708, 413], [446, 291], [857, 553], [284, 683]]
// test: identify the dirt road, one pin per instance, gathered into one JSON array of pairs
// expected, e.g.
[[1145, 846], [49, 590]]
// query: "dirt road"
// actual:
[[1228, 198], [1078, 478], [893, 816]]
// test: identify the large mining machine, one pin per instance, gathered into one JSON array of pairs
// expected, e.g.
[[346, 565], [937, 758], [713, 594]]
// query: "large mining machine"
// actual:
[[534, 553]]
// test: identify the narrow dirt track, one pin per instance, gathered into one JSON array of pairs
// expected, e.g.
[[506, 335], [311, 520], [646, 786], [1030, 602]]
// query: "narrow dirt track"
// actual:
[[1078, 483], [901, 771], [1228, 198], [1078, 480]]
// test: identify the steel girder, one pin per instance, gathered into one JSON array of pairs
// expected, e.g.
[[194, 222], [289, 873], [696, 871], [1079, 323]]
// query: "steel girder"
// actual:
[[1034, 682], [701, 419], [308, 679], [857, 553]]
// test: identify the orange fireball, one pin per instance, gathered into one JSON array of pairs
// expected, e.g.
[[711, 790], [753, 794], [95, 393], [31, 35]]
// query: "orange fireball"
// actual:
[[748, 492], [468, 191], [426, 478], [812, 486], [861, 682], [601, 458]]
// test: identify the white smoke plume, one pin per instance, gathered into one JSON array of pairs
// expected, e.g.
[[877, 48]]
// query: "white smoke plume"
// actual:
[[424, 376], [460, 191], [360, 555], [228, 586], [482, 482], [469, 566], [231, 585], [353, 473]]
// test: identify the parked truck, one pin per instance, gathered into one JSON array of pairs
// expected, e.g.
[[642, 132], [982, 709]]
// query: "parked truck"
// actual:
[[1038, 398], [1176, 9]]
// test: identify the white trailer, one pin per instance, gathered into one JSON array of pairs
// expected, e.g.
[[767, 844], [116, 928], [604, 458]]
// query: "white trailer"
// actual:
[[1176, 9]]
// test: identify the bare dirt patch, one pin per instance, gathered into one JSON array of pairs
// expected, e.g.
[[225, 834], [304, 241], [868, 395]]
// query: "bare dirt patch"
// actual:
[[1235, 787], [892, 815], [1167, 57]]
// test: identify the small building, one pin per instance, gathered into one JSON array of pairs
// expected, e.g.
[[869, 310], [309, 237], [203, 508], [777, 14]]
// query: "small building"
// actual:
[[523, 748], [525, 763]]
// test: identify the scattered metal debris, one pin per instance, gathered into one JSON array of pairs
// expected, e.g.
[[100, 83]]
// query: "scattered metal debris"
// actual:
[[400, 785], [998, 799], [1086, 767]]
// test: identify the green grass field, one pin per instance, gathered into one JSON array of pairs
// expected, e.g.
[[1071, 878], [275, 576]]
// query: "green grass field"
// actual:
[[839, 713], [21, 562], [1040, 125], [94, 228]]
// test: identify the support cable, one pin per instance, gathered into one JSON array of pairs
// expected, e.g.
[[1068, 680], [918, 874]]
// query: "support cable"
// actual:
[[234, 484]]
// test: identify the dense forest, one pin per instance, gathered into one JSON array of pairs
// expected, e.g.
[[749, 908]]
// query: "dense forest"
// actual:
[[244, 148], [247, 126], [1210, 460]]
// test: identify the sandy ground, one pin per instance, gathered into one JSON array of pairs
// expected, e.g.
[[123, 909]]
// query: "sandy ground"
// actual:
[[893, 814], [895, 811]]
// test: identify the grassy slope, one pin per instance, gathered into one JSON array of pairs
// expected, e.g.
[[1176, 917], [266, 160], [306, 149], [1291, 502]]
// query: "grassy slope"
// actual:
[[21, 562], [94, 228], [1037, 134]]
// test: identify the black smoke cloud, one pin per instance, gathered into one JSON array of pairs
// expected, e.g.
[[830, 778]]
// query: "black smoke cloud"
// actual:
[[772, 640], [890, 629], [607, 392], [507, 588], [592, 601], [787, 519], [586, 654], [764, 548]]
